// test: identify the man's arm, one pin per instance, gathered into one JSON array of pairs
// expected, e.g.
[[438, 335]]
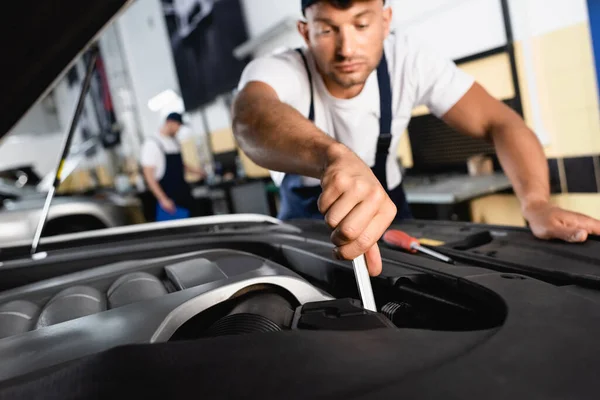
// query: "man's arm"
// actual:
[[164, 201], [276, 136], [522, 157]]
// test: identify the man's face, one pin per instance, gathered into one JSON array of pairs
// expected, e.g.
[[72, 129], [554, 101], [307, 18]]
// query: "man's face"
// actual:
[[347, 44], [172, 127]]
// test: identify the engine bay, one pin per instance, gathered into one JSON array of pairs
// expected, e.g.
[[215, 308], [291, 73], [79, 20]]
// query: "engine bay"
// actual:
[[203, 298], [218, 292]]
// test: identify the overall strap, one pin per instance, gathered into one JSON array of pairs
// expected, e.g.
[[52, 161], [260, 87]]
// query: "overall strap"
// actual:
[[159, 144], [162, 148], [311, 113], [385, 121]]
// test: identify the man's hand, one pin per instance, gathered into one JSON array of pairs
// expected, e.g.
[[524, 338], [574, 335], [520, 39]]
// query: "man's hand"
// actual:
[[551, 222], [168, 205], [277, 137], [355, 206]]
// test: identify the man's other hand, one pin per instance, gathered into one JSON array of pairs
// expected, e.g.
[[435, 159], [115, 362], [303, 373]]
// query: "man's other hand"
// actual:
[[355, 206], [168, 205], [552, 222]]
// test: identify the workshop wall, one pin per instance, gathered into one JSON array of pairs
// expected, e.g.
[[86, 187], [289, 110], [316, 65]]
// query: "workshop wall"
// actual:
[[42, 129], [448, 25], [148, 57], [567, 91], [39, 125], [41, 118], [560, 98], [568, 96], [121, 91]]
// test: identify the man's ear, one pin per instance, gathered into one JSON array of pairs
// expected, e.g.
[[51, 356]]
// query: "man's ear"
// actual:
[[303, 29], [387, 19]]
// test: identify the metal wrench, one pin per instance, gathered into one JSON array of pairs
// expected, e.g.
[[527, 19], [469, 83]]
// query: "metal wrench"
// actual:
[[363, 281]]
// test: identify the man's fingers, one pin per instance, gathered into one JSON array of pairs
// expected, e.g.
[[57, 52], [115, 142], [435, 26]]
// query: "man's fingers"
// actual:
[[342, 207], [334, 188], [355, 222], [592, 225], [367, 239], [577, 228], [571, 234], [373, 257]]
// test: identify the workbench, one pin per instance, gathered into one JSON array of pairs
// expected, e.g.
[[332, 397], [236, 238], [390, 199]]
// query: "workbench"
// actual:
[[432, 197], [448, 197]]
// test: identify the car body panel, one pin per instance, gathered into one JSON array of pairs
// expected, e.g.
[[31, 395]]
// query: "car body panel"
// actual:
[[19, 217]]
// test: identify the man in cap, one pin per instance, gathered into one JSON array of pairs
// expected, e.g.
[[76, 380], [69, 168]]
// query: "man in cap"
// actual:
[[164, 169], [327, 118]]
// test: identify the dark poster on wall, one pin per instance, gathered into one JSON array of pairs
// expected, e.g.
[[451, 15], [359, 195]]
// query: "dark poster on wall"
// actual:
[[203, 35]]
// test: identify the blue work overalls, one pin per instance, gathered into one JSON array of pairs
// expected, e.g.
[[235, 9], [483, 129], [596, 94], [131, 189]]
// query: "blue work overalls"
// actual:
[[300, 202]]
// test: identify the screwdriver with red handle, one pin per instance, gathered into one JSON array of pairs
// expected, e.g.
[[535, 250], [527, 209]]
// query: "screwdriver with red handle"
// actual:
[[399, 239]]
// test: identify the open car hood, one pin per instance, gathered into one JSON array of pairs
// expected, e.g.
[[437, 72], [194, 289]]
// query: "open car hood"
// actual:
[[40, 40]]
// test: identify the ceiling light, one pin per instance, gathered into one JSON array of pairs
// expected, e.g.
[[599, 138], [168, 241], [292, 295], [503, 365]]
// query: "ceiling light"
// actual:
[[162, 100]]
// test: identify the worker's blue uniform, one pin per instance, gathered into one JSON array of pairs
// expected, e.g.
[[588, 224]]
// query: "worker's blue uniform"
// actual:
[[300, 202]]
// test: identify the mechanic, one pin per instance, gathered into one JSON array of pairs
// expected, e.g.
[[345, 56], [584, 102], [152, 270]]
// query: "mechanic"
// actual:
[[328, 116], [164, 170]]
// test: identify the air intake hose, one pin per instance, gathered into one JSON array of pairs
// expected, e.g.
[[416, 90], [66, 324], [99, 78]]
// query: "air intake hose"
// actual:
[[258, 313]]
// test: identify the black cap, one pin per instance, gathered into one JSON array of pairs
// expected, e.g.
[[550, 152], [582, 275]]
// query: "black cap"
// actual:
[[308, 3], [175, 117], [342, 3]]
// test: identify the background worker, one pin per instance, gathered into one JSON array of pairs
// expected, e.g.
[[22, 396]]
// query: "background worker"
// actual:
[[164, 169]]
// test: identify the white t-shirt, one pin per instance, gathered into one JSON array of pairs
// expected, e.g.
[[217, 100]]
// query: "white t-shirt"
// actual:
[[152, 154], [418, 77]]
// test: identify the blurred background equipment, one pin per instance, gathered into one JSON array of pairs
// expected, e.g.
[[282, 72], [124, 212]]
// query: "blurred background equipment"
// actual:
[[203, 35]]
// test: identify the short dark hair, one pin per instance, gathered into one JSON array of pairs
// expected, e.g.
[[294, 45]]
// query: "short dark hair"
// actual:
[[175, 117], [341, 4]]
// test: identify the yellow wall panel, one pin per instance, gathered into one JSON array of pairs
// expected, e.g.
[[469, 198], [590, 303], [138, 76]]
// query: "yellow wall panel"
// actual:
[[104, 177], [493, 73], [501, 209], [505, 209], [586, 203], [590, 83], [566, 91], [569, 89], [594, 119], [420, 111], [251, 169], [566, 47], [191, 158], [405, 151], [222, 141], [525, 94]]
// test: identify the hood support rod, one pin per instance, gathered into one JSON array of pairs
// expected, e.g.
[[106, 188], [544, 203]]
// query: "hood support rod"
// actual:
[[66, 146]]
